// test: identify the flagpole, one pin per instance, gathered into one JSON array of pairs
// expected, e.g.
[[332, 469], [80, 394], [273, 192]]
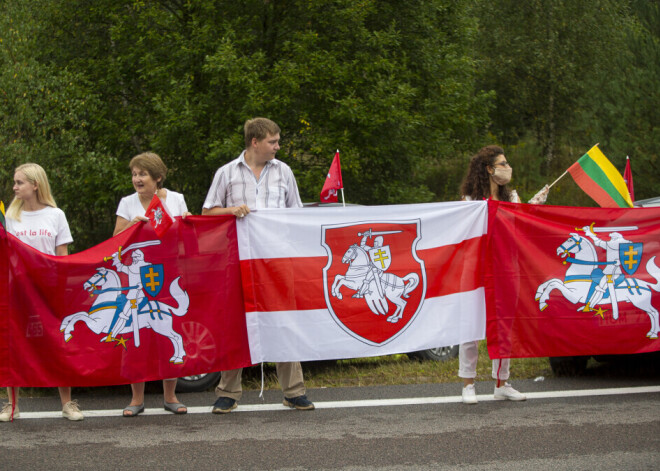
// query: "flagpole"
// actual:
[[343, 201], [562, 176]]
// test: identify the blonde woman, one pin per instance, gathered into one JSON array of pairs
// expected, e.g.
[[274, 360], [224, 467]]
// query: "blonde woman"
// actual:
[[148, 174], [34, 218]]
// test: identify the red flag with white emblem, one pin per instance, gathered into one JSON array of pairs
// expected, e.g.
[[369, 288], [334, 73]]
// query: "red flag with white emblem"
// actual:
[[158, 216], [572, 281], [333, 182], [71, 321]]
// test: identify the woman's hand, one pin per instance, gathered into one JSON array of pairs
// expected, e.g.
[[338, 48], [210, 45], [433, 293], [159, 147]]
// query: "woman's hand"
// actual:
[[541, 196]]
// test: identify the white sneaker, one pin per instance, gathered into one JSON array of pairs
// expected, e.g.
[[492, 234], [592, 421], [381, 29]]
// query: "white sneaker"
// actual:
[[469, 394], [5, 414], [71, 411], [507, 392]]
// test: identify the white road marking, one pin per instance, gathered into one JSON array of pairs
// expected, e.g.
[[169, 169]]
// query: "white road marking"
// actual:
[[406, 401]]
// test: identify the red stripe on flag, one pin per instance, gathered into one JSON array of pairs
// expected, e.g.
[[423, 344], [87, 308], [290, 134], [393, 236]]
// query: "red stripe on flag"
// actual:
[[590, 187], [296, 284], [453, 268]]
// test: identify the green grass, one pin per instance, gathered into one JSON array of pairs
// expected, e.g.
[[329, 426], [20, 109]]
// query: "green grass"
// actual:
[[393, 369]]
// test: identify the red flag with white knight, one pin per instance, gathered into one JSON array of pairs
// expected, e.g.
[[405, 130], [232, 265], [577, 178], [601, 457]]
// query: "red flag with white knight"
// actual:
[[333, 182], [158, 216], [133, 308], [572, 281]]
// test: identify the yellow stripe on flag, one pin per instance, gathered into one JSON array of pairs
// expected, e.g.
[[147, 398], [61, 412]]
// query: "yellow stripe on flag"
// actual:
[[611, 172]]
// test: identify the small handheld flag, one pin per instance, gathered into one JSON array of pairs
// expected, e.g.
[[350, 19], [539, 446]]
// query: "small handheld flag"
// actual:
[[158, 216], [627, 177], [601, 180], [333, 182]]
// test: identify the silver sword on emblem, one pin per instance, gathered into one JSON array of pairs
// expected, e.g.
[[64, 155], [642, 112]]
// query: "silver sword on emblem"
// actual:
[[609, 229], [370, 233]]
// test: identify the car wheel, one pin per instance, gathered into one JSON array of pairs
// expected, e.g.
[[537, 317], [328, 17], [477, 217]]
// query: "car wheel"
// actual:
[[568, 366], [437, 354], [200, 347], [197, 383]]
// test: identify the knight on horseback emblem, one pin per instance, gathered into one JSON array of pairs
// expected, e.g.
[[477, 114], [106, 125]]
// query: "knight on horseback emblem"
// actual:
[[587, 283], [608, 277], [374, 274], [158, 216], [120, 309], [380, 258]]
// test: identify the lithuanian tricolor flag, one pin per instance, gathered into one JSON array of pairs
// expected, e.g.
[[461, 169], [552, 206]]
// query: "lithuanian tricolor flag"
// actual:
[[601, 180], [2, 214]]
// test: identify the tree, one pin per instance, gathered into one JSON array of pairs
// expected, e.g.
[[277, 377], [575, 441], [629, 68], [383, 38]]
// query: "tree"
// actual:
[[45, 117], [627, 118], [538, 57], [389, 83]]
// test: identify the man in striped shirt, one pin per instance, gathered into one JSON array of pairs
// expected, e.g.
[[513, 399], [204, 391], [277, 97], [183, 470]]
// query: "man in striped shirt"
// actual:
[[256, 180]]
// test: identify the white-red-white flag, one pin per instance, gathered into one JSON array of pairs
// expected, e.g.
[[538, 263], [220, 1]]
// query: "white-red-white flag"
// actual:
[[362, 281], [333, 182]]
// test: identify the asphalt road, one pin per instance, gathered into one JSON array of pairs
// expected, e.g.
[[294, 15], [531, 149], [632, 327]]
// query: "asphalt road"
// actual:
[[577, 424]]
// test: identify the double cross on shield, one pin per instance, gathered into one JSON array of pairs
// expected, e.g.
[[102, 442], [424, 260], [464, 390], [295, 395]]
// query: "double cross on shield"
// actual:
[[630, 255], [152, 277]]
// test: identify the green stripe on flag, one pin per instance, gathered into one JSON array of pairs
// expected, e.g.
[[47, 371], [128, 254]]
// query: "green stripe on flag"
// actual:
[[611, 172], [600, 178]]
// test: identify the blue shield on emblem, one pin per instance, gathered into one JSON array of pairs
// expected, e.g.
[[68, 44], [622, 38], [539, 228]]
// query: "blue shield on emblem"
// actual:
[[152, 277], [630, 254]]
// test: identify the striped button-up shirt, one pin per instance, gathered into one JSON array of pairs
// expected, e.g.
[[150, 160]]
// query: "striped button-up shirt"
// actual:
[[235, 184]]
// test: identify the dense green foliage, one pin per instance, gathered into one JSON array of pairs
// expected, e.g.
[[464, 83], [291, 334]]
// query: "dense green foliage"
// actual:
[[406, 89]]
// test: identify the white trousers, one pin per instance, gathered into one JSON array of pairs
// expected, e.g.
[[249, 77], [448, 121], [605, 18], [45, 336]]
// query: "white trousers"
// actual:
[[468, 354]]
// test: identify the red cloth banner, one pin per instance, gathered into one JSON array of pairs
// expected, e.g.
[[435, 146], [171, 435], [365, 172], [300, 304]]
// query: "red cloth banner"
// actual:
[[571, 281], [71, 321]]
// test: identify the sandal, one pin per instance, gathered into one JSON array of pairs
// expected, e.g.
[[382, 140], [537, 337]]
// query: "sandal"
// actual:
[[134, 410], [174, 407]]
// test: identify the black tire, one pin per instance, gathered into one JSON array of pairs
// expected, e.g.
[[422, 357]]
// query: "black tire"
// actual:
[[436, 354], [197, 383], [568, 366]]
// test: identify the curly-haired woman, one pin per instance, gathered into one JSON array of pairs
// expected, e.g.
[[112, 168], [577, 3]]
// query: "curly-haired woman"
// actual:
[[487, 178]]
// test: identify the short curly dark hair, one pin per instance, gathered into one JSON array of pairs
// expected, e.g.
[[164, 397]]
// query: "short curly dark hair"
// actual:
[[476, 184]]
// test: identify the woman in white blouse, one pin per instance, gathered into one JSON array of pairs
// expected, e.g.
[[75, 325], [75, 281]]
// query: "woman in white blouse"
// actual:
[[488, 177], [148, 173]]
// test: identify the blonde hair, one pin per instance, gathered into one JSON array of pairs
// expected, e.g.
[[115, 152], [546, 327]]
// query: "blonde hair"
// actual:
[[36, 175], [152, 164]]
